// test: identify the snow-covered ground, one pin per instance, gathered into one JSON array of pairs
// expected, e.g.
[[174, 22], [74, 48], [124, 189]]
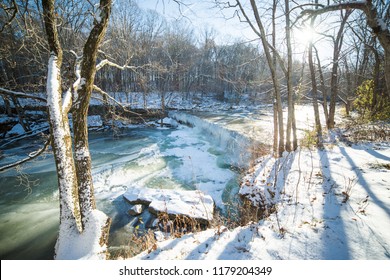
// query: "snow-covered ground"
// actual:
[[324, 204], [330, 204]]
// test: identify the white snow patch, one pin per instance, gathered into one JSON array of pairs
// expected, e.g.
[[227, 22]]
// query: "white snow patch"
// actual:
[[95, 121], [73, 245], [194, 204], [16, 130], [331, 204]]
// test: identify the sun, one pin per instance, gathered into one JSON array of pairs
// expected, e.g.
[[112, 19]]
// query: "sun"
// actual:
[[304, 35]]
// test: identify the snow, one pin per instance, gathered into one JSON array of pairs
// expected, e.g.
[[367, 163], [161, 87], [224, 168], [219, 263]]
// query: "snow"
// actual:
[[330, 204], [314, 219], [236, 144], [193, 204], [16, 130], [73, 245], [94, 121]]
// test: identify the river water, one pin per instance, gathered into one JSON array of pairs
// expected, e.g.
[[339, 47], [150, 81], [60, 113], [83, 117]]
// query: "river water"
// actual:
[[168, 158]]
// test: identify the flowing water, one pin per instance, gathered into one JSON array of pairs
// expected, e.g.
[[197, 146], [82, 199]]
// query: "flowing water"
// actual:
[[181, 158]]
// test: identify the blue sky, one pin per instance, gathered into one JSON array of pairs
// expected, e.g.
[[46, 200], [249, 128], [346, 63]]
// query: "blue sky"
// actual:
[[202, 14]]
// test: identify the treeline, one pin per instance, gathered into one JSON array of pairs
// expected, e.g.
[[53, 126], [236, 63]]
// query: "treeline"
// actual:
[[146, 52]]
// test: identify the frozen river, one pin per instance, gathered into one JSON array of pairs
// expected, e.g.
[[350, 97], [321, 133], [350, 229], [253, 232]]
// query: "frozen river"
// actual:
[[180, 157]]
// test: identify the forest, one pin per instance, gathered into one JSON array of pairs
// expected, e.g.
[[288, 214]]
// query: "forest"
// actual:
[[119, 104]]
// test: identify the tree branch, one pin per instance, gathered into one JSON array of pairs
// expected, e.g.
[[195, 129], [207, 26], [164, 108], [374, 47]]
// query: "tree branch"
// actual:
[[20, 94], [99, 90], [359, 5], [15, 9], [30, 156]]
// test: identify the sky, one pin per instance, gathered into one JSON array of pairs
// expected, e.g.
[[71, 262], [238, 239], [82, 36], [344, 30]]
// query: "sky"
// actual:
[[204, 14], [201, 15]]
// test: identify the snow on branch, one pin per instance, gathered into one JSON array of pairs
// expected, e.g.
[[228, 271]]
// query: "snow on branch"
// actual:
[[20, 94], [359, 5], [72, 91], [105, 62]]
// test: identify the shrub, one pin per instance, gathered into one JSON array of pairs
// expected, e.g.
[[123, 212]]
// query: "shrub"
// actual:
[[367, 107]]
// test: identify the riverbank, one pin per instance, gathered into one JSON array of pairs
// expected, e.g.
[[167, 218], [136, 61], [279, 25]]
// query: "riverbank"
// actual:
[[324, 204]]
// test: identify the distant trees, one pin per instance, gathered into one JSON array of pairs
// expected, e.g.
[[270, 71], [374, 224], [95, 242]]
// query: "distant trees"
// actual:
[[157, 55]]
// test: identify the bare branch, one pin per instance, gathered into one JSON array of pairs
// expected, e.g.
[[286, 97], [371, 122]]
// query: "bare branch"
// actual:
[[31, 156], [99, 90], [20, 94], [105, 62], [23, 136], [15, 9], [360, 5]]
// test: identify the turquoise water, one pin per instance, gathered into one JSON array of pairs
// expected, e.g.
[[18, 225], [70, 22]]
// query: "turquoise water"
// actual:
[[136, 157]]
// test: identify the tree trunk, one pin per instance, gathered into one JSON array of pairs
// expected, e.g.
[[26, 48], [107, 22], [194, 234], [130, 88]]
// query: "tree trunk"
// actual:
[[334, 78], [59, 127], [263, 36], [323, 87], [74, 169], [80, 112], [290, 89], [318, 126]]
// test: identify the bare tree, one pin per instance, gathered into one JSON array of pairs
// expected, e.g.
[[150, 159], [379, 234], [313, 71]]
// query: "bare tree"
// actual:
[[291, 125], [77, 205], [314, 90], [260, 31], [377, 14], [334, 91]]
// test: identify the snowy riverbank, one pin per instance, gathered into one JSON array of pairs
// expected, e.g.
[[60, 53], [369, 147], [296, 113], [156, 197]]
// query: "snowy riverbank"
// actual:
[[330, 204]]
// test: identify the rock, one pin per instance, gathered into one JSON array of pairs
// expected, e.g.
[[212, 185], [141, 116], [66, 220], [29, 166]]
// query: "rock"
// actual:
[[136, 210], [193, 204]]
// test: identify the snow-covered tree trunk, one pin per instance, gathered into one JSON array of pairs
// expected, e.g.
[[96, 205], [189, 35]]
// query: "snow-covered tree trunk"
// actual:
[[60, 134], [83, 229]]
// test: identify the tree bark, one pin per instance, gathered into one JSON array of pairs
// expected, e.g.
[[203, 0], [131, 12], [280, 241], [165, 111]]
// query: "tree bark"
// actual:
[[83, 161], [334, 78], [314, 90], [59, 127]]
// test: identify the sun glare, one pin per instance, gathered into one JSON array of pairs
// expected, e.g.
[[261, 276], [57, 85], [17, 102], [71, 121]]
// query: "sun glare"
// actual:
[[305, 35]]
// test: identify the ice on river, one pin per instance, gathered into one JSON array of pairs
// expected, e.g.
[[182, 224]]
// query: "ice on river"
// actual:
[[168, 159], [182, 159]]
